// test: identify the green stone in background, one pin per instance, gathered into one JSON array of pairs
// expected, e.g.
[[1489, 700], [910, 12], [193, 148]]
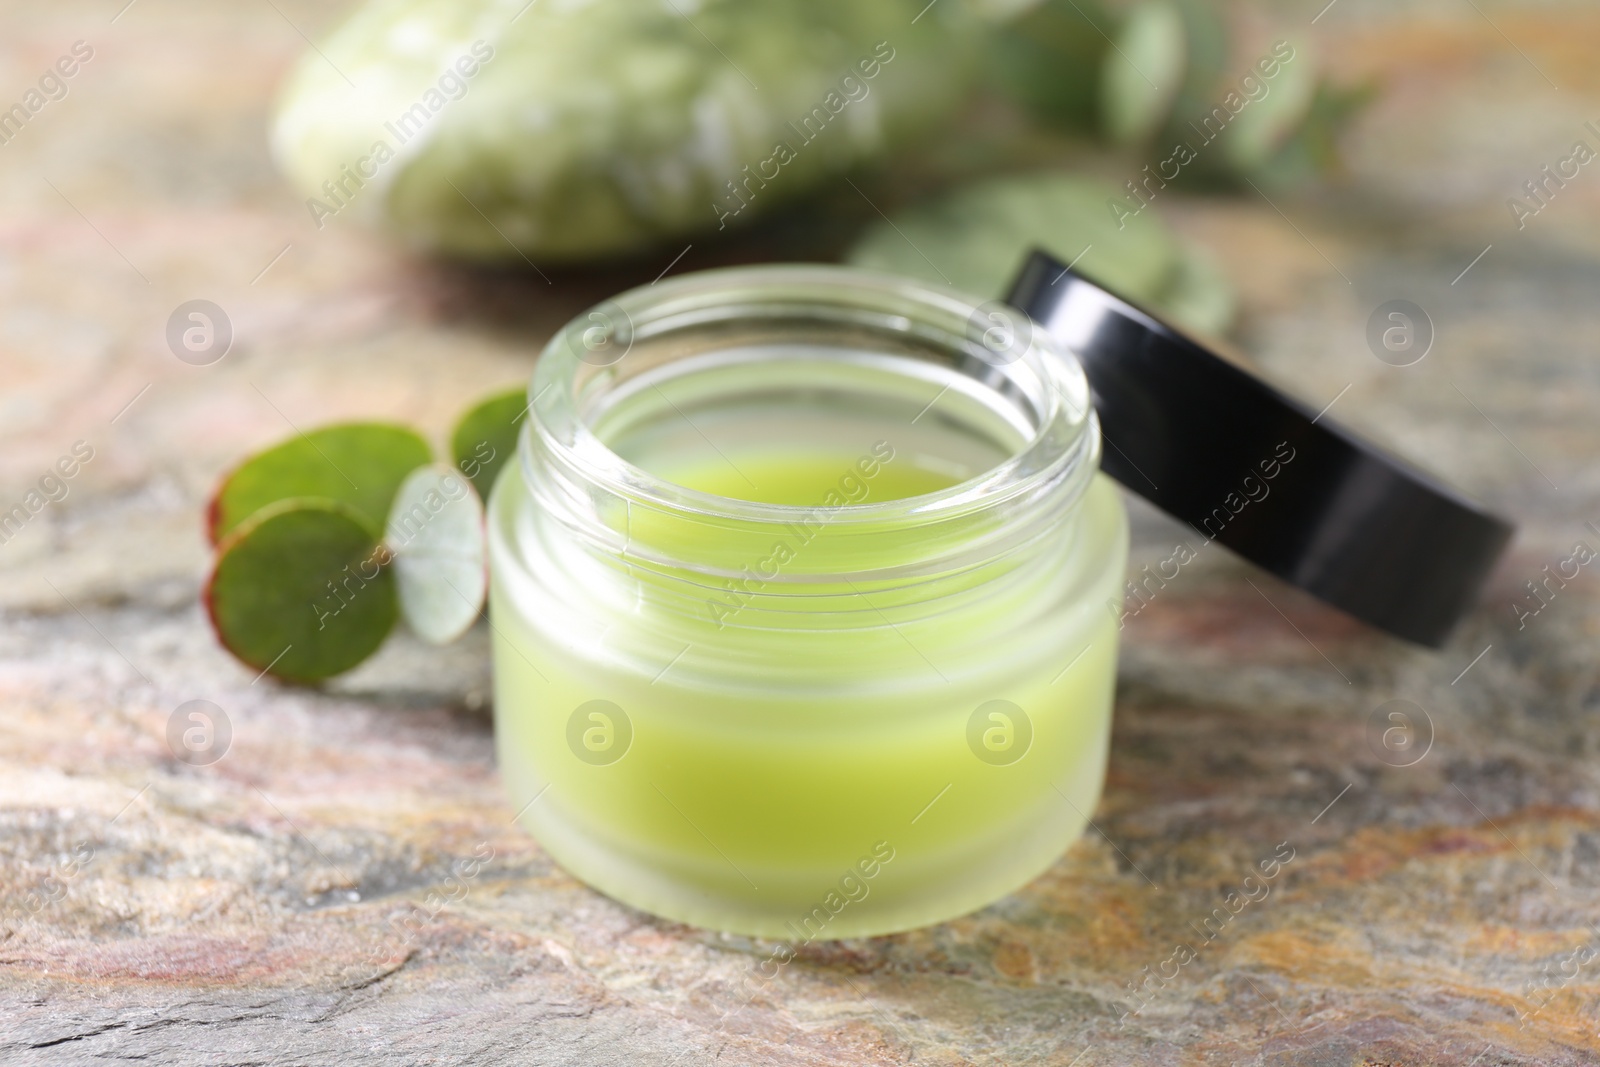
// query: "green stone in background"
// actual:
[[298, 590], [591, 130], [486, 437], [974, 239], [360, 464], [1142, 74]]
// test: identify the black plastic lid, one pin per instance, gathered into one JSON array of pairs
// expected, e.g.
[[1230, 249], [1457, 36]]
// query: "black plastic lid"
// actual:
[[1262, 473]]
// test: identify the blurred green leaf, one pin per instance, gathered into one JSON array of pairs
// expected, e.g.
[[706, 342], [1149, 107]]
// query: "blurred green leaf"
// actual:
[[1143, 73], [486, 437], [1312, 151], [1200, 298], [1207, 50], [974, 240], [1267, 124], [1051, 58]]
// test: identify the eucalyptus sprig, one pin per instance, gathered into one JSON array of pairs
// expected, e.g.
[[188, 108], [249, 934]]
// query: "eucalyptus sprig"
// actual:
[[1156, 74], [973, 238], [325, 541]]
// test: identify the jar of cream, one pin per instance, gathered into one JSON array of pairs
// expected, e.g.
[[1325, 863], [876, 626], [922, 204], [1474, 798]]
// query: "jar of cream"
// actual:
[[799, 602]]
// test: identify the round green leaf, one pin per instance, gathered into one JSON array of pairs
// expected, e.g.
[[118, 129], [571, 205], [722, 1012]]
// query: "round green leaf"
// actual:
[[1140, 77], [437, 538], [975, 238], [301, 589], [359, 464], [486, 437]]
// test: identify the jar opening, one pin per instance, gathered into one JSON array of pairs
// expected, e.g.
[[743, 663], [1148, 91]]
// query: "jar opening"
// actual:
[[814, 423], [747, 401]]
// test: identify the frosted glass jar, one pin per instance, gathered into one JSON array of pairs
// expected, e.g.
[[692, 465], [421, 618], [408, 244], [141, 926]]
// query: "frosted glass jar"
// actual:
[[799, 594]]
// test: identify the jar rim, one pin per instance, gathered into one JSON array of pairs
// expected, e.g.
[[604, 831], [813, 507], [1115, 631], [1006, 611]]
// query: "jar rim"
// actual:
[[1002, 349]]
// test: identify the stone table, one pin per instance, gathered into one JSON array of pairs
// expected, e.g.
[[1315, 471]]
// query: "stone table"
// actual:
[[302, 900]]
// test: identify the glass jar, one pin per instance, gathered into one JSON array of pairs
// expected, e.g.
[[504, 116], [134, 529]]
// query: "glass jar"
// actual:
[[799, 595]]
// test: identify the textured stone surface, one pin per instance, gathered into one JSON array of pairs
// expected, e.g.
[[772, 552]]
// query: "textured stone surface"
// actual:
[[283, 904]]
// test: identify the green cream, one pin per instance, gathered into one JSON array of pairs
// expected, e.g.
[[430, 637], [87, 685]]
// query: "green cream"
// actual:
[[807, 480], [765, 763]]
